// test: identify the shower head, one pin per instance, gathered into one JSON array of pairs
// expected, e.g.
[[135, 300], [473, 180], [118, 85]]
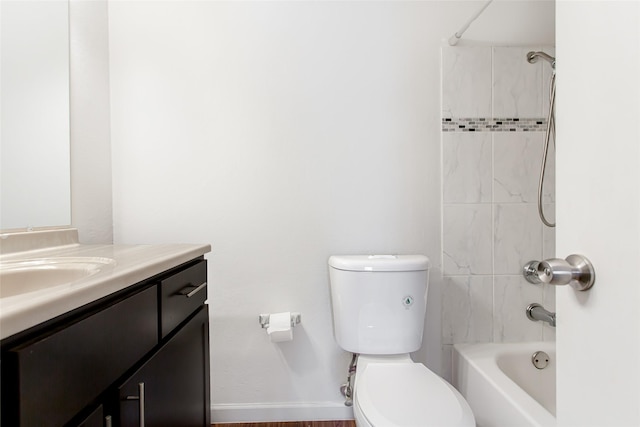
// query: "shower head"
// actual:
[[533, 57]]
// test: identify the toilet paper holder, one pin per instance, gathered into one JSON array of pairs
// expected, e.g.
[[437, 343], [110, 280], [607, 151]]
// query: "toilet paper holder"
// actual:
[[296, 318]]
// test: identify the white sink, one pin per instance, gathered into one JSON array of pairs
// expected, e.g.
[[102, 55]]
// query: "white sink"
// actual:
[[20, 277]]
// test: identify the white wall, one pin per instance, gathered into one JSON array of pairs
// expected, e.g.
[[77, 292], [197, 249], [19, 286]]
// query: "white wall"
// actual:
[[282, 133], [598, 197]]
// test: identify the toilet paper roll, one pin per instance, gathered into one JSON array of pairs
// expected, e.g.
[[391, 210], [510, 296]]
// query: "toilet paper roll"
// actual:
[[279, 329]]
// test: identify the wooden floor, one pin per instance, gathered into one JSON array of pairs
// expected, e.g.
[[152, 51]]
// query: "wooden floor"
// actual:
[[346, 423]]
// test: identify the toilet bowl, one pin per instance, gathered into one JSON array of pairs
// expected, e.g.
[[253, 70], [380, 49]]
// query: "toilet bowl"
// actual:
[[379, 304], [398, 392]]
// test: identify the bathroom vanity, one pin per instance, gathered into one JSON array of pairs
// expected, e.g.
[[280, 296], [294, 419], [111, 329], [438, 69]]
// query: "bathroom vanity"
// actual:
[[132, 351]]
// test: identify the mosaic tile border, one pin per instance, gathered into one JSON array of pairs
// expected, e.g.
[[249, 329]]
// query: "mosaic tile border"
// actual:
[[493, 125]]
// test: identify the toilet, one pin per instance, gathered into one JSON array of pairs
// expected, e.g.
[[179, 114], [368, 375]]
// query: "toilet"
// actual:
[[379, 304]]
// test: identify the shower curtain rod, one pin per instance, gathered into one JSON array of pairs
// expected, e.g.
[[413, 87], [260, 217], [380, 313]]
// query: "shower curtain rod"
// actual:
[[454, 39]]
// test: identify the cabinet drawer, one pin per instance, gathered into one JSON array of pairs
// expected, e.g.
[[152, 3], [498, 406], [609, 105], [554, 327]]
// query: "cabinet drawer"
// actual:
[[60, 374], [181, 295]]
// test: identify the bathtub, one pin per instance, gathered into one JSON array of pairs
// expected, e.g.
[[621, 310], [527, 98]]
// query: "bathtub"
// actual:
[[502, 385]]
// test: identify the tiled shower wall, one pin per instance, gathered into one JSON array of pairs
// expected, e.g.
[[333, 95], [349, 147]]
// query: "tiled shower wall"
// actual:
[[494, 114]]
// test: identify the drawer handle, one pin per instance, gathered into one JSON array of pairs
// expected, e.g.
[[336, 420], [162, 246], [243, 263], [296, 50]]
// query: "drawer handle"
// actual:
[[140, 399], [189, 291]]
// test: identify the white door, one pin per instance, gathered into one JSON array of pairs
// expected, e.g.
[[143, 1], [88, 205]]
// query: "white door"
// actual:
[[598, 215]]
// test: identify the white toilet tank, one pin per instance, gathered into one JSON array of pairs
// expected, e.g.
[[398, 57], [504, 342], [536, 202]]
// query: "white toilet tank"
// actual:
[[379, 302]]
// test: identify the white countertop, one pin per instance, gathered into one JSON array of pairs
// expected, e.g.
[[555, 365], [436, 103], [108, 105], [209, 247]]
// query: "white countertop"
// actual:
[[133, 263]]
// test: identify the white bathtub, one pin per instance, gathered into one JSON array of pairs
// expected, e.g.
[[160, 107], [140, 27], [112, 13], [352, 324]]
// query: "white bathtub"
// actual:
[[503, 387]]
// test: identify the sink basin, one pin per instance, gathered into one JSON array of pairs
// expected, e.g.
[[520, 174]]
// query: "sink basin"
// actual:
[[20, 277]]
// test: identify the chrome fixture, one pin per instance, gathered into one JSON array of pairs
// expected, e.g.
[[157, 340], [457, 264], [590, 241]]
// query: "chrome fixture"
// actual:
[[347, 388], [264, 319], [532, 57], [140, 399], [551, 128], [575, 270], [536, 312], [530, 272], [540, 359]]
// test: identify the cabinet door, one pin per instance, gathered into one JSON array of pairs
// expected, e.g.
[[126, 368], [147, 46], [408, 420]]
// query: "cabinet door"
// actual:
[[172, 388], [51, 379]]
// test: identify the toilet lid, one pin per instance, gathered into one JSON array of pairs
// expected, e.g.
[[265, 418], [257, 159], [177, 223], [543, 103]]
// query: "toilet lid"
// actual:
[[409, 395]]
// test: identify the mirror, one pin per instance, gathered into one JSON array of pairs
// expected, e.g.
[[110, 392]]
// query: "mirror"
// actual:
[[35, 183]]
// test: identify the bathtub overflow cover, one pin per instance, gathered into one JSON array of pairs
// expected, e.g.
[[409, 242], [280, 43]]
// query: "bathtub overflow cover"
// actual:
[[540, 359]]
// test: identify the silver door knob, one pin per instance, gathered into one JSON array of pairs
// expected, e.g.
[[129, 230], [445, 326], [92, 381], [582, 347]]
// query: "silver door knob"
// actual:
[[575, 270]]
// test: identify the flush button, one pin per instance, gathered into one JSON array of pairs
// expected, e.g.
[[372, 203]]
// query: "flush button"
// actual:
[[407, 301]]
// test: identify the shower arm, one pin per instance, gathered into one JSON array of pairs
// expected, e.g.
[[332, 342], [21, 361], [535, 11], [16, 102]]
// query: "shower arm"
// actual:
[[533, 57]]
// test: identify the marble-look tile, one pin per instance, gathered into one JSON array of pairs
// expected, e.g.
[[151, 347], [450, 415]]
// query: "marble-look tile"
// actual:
[[467, 309], [517, 159], [549, 303], [515, 233], [548, 333], [466, 82], [467, 239], [512, 295], [466, 171], [549, 183], [549, 233], [549, 297], [447, 362], [517, 84], [517, 237]]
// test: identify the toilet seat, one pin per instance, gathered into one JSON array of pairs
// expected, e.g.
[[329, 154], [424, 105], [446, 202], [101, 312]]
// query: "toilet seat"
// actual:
[[409, 395]]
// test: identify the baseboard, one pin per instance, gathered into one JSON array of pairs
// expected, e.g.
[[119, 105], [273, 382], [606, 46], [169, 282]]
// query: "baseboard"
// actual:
[[272, 412]]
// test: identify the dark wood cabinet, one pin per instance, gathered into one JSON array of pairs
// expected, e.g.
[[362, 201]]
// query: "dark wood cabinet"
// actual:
[[79, 369], [96, 419], [59, 374], [173, 381], [180, 295]]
